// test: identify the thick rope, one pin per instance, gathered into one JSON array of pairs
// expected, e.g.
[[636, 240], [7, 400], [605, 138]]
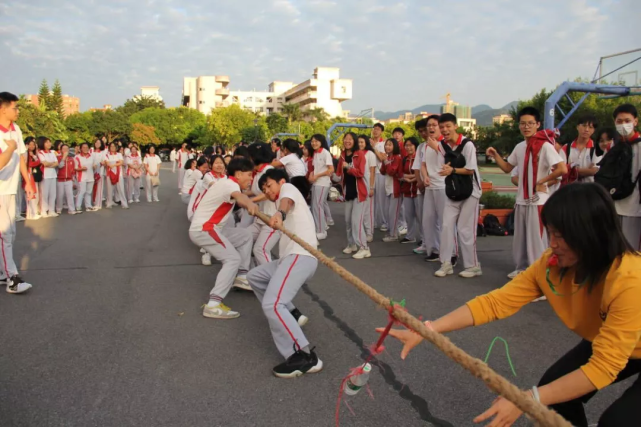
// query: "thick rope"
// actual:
[[500, 385]]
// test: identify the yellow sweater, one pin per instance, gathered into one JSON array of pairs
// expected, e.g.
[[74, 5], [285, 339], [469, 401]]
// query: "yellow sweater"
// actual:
[[609, 316]]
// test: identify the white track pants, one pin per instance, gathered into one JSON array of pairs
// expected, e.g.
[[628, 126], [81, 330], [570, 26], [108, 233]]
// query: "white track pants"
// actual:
[[150, 190], [319, 200], [47, 190], [7, 234], [530, 237], [117, 192], [64, 192], [433, 207], [380, 202], [460, 216], [355, 213]]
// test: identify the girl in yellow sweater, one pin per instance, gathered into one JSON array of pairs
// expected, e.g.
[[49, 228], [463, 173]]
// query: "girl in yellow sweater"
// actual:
[[591, 277]]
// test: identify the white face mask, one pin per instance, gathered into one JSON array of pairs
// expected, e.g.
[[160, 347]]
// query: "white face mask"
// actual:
[[625, 129]]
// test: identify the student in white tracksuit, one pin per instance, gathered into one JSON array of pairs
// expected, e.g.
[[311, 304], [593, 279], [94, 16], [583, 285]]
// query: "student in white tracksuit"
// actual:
[[231, 246], [380, 195], [12, 166], [98, 191], [264, 237], [47, 186], [152, 168], [113, 163], [460, 216], [392, 170], [198, 169], [86, 164], [370, 180], [320, 180], [172, 159], [134, 174], [352, 171], [276, 284], [529, 241], [66, 180], [181, 157]]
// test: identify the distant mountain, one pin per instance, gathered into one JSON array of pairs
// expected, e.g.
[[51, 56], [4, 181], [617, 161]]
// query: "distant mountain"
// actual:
[[483, 113], [484, 117]]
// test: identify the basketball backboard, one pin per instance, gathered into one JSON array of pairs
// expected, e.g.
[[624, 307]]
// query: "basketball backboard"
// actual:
[[622, 68]]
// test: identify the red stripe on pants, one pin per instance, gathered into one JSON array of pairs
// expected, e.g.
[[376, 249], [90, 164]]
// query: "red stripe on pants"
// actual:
[[280, 291]]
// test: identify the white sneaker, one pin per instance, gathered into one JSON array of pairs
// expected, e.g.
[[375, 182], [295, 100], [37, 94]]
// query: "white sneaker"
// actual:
[[302, 320], [15, 285], [321, 236], [468, 273], [130, 201], [388, 239], [513, 274], [156, 200], [362, 253], [206, 259], [148, 200], [446, 269], [53, 215], [137, 201], [402, 230], [221, 311], [36, 217], [125, 207], [242, 283], [326, 227], [370, 239], [350, 248], [384, 228], [330, 222], [19, 218], [543, 298]]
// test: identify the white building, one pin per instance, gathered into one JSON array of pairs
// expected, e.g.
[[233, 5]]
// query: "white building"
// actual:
[[468, 124], [150, 92], [324, 90]]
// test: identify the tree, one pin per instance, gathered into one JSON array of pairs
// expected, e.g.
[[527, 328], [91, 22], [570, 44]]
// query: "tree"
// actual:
[[292, 112], [36, 121], [112, 124], [78, 127], [144, 135], [226, 123], [201, 136], [276, 123], [56, 99], [139, 103], [44, 97], [316, 114], [173, 126]]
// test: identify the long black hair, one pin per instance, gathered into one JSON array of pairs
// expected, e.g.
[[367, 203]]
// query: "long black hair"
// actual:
[[584, 215], [323, 142], [368, 145], [260, 153], [354, 138], [396, 150]]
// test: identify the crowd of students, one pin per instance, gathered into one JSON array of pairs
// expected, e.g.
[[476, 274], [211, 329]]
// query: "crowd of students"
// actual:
[[113, 173]]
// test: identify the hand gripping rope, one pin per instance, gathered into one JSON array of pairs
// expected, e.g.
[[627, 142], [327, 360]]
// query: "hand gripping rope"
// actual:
[[476, 367]]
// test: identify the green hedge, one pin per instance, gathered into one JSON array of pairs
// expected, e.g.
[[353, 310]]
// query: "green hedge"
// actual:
[[494, 200]]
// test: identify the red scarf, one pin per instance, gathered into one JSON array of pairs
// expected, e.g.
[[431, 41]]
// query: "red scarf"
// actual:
[[532, 150], [113, 176]]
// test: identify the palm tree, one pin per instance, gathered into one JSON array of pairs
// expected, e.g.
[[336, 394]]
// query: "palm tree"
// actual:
[[317, 114], [293, 113]]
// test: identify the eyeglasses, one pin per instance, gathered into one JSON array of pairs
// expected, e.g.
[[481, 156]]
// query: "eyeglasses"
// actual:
[[527, 124]]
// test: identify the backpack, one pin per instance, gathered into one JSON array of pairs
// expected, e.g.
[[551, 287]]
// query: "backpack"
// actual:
[[509, 223], [457, 187], [493, 227], [480, 229], [615, 171], [573, 173]]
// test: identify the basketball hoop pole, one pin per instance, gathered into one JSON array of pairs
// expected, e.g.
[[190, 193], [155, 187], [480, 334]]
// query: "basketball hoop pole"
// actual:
[[551, 105]]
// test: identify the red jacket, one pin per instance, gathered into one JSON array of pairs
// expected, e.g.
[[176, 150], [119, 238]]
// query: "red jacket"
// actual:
[[358, 170], [310, 166], [408, 189], [68, 171], [393, 167]]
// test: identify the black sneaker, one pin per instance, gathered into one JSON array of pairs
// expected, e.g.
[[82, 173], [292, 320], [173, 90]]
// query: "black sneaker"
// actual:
[[433, 257], [15, 285], [420, 243], [454, 260], [300, 317], [298, 364], [406, 240]]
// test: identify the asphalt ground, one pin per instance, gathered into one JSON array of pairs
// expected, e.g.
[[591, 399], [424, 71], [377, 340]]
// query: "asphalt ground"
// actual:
[[112, 334]]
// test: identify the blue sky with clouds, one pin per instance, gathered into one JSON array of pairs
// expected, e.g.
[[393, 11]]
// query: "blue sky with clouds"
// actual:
[[399, 54]]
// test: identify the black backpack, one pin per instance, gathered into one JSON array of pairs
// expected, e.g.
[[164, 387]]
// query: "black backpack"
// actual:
[[493, 227], [457, 187], [615, 171]]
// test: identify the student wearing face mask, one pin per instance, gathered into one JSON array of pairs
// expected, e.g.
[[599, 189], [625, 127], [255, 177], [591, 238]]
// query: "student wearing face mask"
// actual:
[[629, 208]]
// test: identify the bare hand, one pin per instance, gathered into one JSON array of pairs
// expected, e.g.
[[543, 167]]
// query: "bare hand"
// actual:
[[11, 144], [371, 193], [505, 413], [426, 181], [541, 188], [29, 191], [491, 152], [409, 339], [446, 170], [276, 220], [312, 178]]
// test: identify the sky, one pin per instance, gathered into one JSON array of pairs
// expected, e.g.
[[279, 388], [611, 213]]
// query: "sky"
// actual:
[[400, 55]]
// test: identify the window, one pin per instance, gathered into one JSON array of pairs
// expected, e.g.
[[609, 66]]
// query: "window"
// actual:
[[344, 89], [260, 109]]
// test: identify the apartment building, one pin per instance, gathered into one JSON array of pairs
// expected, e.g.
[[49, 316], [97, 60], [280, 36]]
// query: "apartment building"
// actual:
[[324, 90], [149, 92], [70, 104], [501, 118]]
